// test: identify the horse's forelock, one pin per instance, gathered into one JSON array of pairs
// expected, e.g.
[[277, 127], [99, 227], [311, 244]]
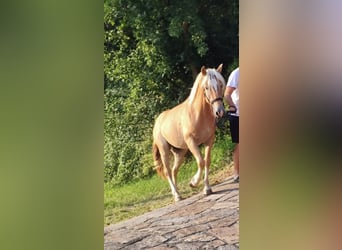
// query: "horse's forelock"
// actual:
[[219, 76], [213, 74], [201, 80]]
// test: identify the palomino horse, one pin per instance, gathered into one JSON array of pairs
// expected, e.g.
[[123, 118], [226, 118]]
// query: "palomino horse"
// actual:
[[187, 126]]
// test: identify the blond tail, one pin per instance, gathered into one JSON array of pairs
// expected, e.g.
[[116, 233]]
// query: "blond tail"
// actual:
[[157, 161]]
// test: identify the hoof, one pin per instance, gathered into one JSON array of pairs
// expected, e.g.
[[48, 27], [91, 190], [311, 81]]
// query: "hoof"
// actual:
[[192, 185], [178, 198], [207, 191]]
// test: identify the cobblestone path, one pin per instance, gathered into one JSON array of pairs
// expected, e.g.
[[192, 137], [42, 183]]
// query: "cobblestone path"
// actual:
[[198, 222]]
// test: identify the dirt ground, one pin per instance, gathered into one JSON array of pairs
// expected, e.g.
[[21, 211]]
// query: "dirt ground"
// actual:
[[221, 175]]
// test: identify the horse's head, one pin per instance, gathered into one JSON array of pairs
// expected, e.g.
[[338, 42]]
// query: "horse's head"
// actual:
[[214, 87]]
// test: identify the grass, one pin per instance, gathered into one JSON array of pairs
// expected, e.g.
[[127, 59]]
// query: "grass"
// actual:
[[133, 199]]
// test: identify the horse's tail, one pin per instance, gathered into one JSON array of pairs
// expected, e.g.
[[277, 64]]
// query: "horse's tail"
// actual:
[[159, 166]]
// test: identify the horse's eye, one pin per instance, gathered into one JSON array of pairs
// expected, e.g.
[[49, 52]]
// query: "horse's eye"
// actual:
[[206, 88]]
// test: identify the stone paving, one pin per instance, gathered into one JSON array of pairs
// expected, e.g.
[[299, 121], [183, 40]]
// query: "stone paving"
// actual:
[[198, 222]]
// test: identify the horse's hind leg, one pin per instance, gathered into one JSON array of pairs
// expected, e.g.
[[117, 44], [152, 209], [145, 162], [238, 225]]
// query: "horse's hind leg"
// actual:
[[165, 157], [178, 155]]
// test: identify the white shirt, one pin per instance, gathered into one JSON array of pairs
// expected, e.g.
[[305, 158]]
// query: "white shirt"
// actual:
[[233, 81]]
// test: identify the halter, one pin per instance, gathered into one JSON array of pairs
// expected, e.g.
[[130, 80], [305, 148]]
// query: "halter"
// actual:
[[216, 100], [213, 101]]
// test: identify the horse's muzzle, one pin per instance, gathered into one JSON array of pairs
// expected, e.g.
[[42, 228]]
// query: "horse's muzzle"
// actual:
[[219, 111], [218, 107]]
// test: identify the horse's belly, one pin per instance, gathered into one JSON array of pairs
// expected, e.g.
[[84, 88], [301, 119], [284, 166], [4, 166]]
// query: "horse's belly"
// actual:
[[171, 129], [174, 135]]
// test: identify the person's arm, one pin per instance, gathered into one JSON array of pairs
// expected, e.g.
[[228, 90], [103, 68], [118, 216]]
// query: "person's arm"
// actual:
[[228, 97]]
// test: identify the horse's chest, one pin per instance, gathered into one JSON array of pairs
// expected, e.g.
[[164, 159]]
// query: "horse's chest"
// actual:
[[203, 132]]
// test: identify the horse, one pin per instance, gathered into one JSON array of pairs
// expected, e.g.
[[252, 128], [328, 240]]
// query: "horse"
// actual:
[[187, 126]]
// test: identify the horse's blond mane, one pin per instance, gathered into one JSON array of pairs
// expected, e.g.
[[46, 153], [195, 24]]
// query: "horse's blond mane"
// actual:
[[195, 87]]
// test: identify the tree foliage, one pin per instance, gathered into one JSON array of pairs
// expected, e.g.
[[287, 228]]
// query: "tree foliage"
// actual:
[[152, 51]]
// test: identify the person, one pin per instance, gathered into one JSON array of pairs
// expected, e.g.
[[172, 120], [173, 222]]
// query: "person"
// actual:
[[231, 96]]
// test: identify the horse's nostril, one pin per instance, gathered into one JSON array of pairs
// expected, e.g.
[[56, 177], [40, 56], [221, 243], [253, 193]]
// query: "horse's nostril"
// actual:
[[219, 113]]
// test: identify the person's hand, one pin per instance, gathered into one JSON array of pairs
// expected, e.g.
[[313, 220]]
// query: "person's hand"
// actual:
[[232, 109]]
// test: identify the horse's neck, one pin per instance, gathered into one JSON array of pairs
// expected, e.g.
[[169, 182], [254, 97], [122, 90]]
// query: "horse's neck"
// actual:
[[200, 107]]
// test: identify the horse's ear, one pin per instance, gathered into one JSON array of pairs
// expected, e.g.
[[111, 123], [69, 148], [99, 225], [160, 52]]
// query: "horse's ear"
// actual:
[[203, 70], [219, 68]]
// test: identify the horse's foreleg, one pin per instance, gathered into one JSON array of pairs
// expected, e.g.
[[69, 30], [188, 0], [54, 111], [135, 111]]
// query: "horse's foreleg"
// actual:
[[207, 189], [196, 178], [195, 150]]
